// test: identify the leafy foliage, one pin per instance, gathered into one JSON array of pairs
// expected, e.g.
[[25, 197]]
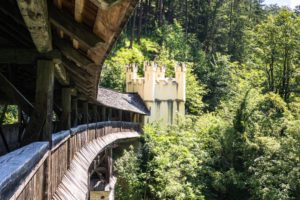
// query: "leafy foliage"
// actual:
[[241, 136]]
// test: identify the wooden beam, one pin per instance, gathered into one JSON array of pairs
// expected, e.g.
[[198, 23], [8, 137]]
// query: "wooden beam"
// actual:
[[108, 25], [103, 4], [61, 74], [85, 110], [25, 56], [74, 112], [35, 15], [74, 29], [109, 117], [14, 94], [104, 118], [44, 95], [71, 53], [95, 113], [40, 126], [79, 6], [120, 115]]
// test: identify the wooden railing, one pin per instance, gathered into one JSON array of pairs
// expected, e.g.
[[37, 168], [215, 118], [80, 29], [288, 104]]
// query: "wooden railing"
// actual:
[[36, 170]]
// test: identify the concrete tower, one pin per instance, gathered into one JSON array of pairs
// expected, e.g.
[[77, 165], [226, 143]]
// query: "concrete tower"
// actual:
[[164, 97]]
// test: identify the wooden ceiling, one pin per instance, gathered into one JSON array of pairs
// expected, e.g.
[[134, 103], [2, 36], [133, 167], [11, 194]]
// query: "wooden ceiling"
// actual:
[[82, 32]]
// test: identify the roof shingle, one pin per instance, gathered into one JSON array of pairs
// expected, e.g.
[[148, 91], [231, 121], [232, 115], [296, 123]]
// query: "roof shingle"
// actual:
[[123, 101]]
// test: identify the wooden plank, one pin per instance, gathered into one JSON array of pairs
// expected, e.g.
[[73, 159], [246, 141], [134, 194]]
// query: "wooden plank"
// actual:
[[20, 190], [35, 15], [72, 28], [71, 53]]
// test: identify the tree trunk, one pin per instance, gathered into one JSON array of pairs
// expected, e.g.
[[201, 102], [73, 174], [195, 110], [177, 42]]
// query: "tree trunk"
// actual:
[[161, 5], [140, 21], [132, 30], [186, 18]]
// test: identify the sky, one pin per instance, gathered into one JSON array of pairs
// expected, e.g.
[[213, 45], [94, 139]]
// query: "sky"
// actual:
[[290, 3]]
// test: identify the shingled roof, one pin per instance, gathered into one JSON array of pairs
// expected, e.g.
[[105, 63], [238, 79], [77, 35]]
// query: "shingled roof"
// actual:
[[123, 101]]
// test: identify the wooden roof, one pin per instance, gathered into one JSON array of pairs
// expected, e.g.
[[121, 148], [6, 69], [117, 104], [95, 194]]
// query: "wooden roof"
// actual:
[[131, 102], [78, 34]]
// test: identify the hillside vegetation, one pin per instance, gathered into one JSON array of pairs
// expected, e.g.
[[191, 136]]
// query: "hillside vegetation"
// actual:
[[240, 138]]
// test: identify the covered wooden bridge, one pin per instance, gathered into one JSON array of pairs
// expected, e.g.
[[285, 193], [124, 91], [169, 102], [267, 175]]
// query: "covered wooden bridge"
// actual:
[[51, 54]]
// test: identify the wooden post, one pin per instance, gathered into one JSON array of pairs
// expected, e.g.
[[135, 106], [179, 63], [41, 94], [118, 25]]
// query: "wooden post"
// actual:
[[99, 116], [120, 115], [85, 110], [65, 121], [104, 118], [134, 117], [74, 112], [40, 127], [95, 113], [44, 95], [131, 117], [109, 114]]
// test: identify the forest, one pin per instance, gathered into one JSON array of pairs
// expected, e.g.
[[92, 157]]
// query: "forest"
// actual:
[[240, 138]]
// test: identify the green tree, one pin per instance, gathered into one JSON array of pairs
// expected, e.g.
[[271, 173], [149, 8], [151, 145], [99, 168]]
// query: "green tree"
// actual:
[[277, 42]]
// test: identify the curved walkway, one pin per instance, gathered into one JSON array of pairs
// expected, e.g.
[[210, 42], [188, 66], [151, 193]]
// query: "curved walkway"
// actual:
[[74, 185]]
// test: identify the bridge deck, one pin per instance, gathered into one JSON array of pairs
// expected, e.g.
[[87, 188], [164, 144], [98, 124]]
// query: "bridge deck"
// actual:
[[38, 171]]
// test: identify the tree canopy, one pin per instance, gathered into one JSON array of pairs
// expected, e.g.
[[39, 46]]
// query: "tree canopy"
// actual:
[[240, 138]]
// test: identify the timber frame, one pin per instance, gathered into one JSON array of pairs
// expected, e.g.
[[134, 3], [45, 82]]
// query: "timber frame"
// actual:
[[51, 56]]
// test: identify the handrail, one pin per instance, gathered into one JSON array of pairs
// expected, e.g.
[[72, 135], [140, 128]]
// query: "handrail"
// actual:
[[16, 167]]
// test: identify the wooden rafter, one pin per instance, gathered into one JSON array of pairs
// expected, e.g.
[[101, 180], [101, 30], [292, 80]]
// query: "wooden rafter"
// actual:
[[72, 28], [79, 6], [71, 53], [108, 25], [61, 74], [35, 15]]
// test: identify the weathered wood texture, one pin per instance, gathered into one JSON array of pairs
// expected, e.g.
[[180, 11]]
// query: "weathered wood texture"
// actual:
[[35, 15], [41, 119], [63, 170]]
